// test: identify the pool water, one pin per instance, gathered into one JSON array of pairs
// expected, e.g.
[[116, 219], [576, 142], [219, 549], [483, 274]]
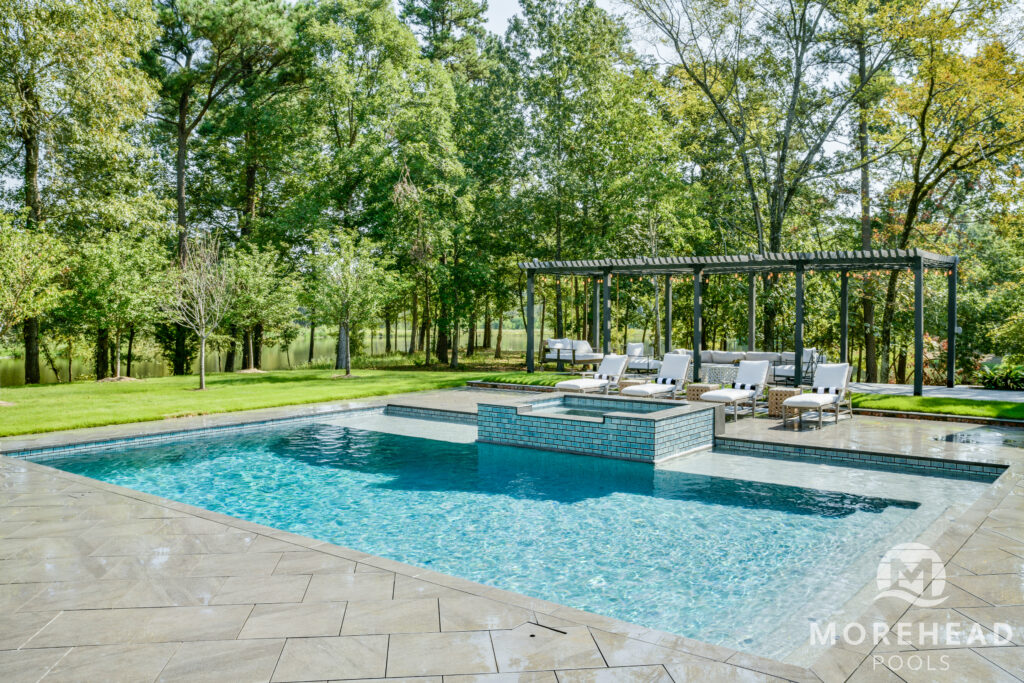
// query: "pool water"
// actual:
[[722, 560], [562, 410]]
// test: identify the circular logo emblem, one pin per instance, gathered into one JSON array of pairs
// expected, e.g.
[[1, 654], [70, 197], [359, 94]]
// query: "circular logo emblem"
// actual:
[[912, 572]]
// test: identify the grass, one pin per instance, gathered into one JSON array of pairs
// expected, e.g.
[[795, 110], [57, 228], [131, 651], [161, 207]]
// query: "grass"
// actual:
[[537, 379], [45, 408], [1005, 410]]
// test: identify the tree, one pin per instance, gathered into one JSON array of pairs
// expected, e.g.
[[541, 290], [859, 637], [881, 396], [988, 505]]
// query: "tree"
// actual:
[[263, 294], [201, 291], [29, 270], [116, 285], [348, 286], [768, 70], [956, 116], [67, 79], [205, 49]]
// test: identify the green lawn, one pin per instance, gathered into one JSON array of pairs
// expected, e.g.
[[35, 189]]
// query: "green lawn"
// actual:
[[89, 404], [537, 379], [1007, 410]]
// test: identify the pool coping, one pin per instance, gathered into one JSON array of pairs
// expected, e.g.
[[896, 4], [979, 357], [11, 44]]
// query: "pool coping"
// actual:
[[836, 661]]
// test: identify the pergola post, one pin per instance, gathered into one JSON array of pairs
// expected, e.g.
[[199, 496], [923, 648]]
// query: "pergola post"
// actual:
[[595, 327], [844, 316], [951, 327], [798, 346], [668, 313], [918, 327], [698, 302], [752, 312], [529, 321], [606, 314]]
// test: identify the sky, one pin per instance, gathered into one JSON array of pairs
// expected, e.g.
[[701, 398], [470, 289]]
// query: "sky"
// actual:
[[500, 11]]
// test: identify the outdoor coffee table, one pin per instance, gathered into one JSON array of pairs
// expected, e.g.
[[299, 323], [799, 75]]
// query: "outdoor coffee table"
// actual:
[[697, 389], [776, 395]]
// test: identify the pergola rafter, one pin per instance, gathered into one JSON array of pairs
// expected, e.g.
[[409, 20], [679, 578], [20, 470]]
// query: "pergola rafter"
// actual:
[[843, 262]]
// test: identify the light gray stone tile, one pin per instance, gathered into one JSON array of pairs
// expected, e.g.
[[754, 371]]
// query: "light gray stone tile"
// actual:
[[113, 663], [535, 648], [238, 661], [425, 654], [336, 587], [303, 619], [306, 659]]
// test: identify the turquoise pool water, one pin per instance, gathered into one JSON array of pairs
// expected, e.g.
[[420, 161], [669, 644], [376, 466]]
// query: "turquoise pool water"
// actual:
[[721, 560]]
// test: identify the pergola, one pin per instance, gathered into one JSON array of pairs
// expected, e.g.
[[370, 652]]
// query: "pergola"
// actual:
[[843, 262]]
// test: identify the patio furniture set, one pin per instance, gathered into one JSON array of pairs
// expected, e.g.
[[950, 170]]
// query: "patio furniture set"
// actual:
[[830, 388]]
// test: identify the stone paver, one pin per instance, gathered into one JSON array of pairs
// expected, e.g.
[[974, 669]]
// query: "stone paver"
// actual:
[[96, 578]]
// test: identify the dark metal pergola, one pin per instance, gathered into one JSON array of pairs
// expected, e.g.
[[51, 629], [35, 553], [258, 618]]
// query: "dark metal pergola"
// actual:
[[843, 262]]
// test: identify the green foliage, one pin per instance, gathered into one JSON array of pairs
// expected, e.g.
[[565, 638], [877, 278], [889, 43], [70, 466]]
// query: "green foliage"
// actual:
[[30, 266], [1006, 410], [1003, 376]]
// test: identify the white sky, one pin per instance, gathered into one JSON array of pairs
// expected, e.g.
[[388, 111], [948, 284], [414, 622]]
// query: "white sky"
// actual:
[[500, 11]]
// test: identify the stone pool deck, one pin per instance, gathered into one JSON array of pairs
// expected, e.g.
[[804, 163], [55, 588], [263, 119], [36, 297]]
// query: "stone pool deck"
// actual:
[[98, 582]]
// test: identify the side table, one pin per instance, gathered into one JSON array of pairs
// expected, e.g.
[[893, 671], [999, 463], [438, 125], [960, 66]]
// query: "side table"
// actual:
[[776, 395], [697, 389]]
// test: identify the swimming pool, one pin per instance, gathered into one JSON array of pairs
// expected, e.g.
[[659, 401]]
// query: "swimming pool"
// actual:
[[719, 559]]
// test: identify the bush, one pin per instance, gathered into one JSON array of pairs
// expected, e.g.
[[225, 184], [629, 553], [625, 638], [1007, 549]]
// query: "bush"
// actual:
[[1004, 376]]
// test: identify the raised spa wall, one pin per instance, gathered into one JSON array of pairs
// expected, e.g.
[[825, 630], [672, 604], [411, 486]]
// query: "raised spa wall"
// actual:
[[621, 433]]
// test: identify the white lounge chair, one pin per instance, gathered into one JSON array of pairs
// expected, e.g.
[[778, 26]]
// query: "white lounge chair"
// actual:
[[831, 388], [748, 387], [607, 377], [671, 378], [640, 359]]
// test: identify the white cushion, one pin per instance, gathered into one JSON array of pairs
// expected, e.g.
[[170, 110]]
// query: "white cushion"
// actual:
[[675, 366], [588, 357], [612, 365], [635, 349], [762, 355], [559, 344], [649, 389], [752, 372], [582, 346], [727, 395], [787, 356], [810, 400], [583, 384], [707, 357], [727, 357], [683, 352], [784, 370], [832, 375]]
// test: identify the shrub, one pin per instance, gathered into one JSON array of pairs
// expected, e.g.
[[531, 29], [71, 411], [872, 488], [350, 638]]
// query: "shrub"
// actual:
[[1004, 376]]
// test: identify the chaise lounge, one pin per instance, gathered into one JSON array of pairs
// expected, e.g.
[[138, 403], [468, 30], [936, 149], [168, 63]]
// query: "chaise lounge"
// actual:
[[749, 385], [831, 387], [606, 378], [671, 378]]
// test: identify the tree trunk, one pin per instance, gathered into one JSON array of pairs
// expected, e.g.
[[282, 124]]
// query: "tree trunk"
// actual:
[[413, 322], [50, 361], [868, 303], [31, 329], [117, 354], [102, 341], [901, 366], [246, 349], [131, 343], [471, 338], [348, 350], [387, 335], [497, 343], [487, 326], [312, 340], [454, 364], [202, 363], [33, 200], [249, 334], [257, 346], [180, 164], [71, 369], [339, 358]]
